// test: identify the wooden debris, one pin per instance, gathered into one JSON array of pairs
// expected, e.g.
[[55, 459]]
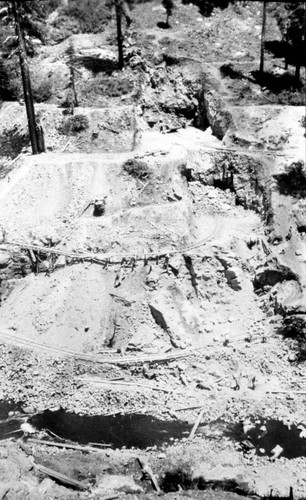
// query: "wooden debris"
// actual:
[[186, 408], [197, 423], [122, 300], [146, 469], [32, 256], [129, 384], [61, 477], [107, 258], [100, 445], [54, 435], [154, 358], [289, 391], [105, 127], [252, 382], [66, 146], [119, 277], [142, 190], [151, 153], [69, 446]]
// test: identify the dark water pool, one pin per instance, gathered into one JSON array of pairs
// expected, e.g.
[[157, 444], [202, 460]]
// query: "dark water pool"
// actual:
[[130, 430], [267, 434], [11, 417]]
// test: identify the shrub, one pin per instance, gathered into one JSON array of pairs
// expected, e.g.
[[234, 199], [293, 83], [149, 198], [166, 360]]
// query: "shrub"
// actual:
[[293, 181], [137, 168], [10, 81], [74, 124], [227, 70], [294, 327], [42, 92], [13, 141], [206, 7], [90, 15]]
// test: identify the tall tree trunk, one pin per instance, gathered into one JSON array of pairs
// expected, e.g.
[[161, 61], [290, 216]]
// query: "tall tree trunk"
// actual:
[[286, 40], [119, 35], [297, 72], [263, 37], [26, 81]]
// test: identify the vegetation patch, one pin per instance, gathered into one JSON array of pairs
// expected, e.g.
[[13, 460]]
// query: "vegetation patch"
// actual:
[[138, 169], [91, 15], [276, 83], [10, 87], [227, 70], [73, 125], [294, 327], [42, 92], [206, 7], [293, 180], [13, 141]]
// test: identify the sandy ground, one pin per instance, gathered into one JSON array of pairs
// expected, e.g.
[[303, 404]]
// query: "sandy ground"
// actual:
[[167, 271]]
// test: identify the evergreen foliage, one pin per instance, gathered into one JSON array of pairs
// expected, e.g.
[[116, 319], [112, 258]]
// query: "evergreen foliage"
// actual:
[[291, 18], [206, 7]]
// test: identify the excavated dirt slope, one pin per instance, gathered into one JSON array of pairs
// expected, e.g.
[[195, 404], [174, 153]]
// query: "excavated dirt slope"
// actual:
[[169, 301]]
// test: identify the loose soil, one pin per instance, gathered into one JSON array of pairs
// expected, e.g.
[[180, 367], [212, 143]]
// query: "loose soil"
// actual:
[[171, 301]]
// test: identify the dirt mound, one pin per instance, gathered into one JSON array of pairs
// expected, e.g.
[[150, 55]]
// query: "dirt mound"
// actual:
[[130, 250]]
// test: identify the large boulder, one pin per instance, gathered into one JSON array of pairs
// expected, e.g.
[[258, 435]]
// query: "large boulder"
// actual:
[[289, 298], [272, 273], [167, 315]]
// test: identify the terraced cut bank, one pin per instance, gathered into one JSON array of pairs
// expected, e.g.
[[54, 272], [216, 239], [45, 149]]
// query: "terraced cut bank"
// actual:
[[152, 266]]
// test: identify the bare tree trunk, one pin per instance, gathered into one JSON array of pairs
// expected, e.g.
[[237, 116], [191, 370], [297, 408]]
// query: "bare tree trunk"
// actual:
[[297, 72], [263, 37], [26, 81], [119, 36], [286, 39]]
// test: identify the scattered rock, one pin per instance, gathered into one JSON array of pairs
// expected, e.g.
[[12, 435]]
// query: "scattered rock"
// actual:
[[14, 491], [4, 259], [119, 483], [232, 275]]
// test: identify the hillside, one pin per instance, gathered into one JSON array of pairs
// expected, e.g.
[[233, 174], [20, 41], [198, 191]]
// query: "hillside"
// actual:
[[152, 264]]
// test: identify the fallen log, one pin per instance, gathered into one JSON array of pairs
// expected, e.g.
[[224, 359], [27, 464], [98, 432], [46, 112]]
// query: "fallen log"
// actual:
[[61, 477], [286, 392], [86, 449], [119, 383], [146, 469], [189, 408], [197, 423]]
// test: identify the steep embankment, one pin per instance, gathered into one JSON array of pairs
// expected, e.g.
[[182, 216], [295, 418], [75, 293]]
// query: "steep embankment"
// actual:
[[169, 298]]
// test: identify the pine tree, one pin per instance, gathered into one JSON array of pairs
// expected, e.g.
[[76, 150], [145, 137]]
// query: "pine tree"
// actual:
[[295, 34], [291, 18], [119, 33], [263, 36], [21, 20]]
